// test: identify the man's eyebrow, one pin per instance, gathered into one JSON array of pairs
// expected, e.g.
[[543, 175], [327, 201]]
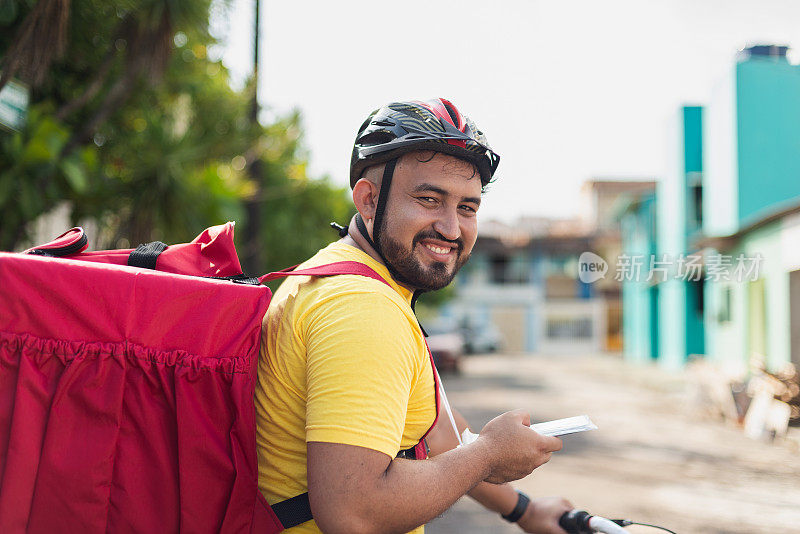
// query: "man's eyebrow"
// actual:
[[421, 188]]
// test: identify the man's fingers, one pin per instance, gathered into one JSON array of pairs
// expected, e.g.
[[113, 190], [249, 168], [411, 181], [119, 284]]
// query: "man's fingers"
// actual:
[[526, 419], [552, 444]]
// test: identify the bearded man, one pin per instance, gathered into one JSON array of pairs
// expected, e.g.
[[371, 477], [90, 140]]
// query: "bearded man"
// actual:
[[353, 434]]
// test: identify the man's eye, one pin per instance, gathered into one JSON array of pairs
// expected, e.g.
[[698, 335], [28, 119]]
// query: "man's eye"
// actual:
[[468, 208], [428, 200]]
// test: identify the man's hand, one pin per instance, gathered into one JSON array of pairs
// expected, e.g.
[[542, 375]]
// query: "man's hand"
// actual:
[[515, 449], [543, 514]]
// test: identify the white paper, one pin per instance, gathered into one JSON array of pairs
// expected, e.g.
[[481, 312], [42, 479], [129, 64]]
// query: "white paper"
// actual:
[[568, 425], [559, 427]]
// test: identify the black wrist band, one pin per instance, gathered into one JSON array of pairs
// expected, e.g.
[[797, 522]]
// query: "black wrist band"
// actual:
[[519, 509]]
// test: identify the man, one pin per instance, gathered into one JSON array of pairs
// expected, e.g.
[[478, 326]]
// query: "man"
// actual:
[[347, 396]]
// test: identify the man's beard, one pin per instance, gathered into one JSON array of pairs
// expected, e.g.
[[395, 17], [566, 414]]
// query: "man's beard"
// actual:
[[406, 263]]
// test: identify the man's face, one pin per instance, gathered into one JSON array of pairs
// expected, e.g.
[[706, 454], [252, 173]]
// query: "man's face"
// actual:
[[430, 224]]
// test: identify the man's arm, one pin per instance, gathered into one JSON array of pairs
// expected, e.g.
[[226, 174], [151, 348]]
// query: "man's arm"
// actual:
[[358, 490], [542, 514]]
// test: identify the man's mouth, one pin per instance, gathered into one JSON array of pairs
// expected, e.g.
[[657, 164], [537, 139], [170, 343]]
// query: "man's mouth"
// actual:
[[438, 247], [439, 250]]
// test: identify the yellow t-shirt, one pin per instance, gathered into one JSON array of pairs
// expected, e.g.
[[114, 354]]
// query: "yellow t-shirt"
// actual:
[[342, 361]]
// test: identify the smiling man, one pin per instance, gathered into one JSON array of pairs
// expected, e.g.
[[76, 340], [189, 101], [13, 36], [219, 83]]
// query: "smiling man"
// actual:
[[434, 205], [352, 427]]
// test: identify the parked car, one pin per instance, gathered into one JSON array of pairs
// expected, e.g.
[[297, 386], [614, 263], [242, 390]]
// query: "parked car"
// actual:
[[447, 346], [481, 338]]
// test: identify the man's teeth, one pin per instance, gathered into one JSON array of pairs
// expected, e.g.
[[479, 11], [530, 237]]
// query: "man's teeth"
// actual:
[[438, 250]]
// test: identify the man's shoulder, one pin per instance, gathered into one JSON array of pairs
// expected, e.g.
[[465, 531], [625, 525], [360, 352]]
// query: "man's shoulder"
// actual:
[[349, 294], [340, 292]]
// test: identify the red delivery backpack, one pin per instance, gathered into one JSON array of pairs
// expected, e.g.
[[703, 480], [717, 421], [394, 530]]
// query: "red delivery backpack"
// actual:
[[126, 389]]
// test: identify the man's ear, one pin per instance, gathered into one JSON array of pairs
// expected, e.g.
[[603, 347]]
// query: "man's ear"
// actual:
[[365, 197]]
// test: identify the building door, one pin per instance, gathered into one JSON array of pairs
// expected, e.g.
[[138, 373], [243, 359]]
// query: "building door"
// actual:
[[794, 316], [757, 321], [652, 297], [510, 322]]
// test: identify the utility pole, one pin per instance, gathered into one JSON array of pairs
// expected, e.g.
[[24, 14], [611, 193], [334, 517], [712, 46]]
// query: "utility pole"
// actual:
[[252, 245]]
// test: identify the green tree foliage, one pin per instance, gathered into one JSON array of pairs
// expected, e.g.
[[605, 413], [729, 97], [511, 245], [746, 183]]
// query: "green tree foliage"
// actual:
[[170, 156], [33, 177], [134, 125], [297, 211]]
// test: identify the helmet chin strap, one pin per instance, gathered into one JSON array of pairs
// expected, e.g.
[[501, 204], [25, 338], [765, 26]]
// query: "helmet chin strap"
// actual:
[[380, 209]]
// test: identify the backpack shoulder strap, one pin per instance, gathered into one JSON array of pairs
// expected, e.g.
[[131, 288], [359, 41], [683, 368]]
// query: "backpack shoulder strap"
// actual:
[[330, 269]]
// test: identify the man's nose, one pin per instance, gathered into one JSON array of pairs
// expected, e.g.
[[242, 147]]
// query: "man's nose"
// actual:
[[447, 224]]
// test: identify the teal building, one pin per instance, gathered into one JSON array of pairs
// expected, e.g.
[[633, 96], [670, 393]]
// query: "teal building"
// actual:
[[679, 223], [639, 296], [729, 207], [753, 180], [663, 305]]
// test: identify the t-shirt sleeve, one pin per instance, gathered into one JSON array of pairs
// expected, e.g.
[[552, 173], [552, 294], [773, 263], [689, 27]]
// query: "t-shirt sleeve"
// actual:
[[360, 368]]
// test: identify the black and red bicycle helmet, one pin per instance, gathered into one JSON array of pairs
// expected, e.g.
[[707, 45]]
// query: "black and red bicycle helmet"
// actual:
[[402, 127]]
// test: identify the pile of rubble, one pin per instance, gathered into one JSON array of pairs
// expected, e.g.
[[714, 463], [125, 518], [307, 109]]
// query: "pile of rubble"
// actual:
[[785, 387], [765, 404]]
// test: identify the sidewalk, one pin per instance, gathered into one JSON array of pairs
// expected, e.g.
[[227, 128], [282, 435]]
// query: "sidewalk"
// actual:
[[650, 460]]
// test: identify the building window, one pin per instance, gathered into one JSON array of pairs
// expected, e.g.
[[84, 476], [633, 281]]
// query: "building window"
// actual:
[[509, 270], [724, 315], [697, 193], [695, 204], [566, 328], [498, 265]]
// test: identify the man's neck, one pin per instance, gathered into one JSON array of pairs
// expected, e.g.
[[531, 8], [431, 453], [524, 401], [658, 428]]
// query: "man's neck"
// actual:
[[355, 239]]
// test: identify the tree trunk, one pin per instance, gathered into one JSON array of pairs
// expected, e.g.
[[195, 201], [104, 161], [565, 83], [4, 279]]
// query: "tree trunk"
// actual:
[[41, 38]]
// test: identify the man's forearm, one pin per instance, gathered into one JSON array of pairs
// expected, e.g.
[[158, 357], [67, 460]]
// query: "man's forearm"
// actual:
[[355, 489], [410, 493], [440, 482]]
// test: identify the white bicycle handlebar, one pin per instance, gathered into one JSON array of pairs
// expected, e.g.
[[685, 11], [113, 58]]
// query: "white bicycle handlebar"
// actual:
[[605, 526]]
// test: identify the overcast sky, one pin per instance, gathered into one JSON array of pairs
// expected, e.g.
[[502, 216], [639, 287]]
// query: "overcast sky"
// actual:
[[565, 90]]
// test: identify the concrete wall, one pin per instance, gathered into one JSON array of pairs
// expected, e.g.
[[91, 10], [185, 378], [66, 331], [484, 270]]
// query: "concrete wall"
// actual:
[[729, 342], [726, 339]]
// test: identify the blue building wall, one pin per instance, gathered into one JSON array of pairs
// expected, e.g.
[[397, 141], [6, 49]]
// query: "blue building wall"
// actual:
[[768, 132], [679, 216], [693, 138], [693, 166]]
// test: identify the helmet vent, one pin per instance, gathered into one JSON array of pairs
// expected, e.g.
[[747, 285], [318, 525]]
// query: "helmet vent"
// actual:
[[451, 111], [412, 112], [377, 138], [383, 123]]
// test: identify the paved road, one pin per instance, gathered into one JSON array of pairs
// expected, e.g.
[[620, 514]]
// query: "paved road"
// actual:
[[651, 460]]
